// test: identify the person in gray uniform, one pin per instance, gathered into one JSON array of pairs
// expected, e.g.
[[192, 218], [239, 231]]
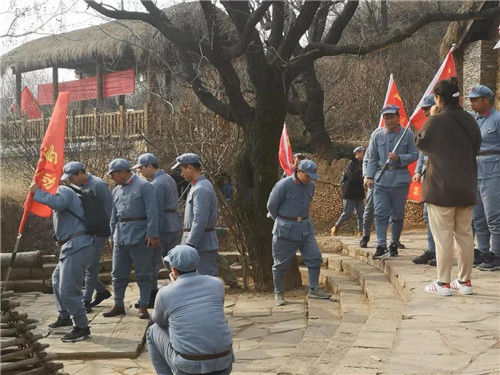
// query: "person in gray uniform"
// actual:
[[288, 205], [429, 255], [190, 334], [389, 194], [169, 220], [369, 215], [486, 213], [200, 215], [75, 173], [77, 252], [135, 234]]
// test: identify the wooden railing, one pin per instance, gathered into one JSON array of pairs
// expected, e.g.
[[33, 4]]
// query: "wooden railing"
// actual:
[[101, 125]]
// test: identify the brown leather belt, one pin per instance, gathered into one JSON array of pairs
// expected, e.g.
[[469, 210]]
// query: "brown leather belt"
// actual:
[[488, 153], [299, 218], [206, 229], [122, 219], [204, 357], [77, 234], [392, 168], [170, 210]]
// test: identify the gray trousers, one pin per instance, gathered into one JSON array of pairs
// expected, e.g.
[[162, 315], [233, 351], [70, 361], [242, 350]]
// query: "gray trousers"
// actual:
[[92, 281], [283, 253], [208, 263], [486, 215], [389, 203], [163, 355], [167, 242], [369, 214], [351, 205], [123, 257], [67, 280]]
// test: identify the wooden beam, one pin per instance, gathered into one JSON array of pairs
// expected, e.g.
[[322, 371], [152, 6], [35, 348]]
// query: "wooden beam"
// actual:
[[55, 84], [100, 86], [18, 93]]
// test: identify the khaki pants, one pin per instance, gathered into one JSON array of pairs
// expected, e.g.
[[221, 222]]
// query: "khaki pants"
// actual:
[[452, 227]]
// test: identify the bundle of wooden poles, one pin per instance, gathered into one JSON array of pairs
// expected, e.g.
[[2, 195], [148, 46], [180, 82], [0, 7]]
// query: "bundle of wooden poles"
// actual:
[[21, 353]]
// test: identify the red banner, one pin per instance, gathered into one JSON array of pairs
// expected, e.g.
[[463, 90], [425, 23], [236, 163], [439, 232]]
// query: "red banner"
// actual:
[[50, 165], [417, 119], [29, 105], [285, 153], [114, 84]]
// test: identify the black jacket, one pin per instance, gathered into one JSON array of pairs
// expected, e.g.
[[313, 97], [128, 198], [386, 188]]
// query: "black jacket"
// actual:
[[352, 180]]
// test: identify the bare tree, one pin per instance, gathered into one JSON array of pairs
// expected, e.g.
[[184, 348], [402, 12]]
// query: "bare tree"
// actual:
[[272, 65]]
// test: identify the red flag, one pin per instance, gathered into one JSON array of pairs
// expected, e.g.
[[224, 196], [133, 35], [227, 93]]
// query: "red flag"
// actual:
[[393, 97], [446, 71], [29, 105], [285, 153], [417, 119], [50, 165]]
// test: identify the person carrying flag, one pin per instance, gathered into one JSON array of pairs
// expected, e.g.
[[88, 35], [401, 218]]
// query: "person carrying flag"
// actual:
[[75, 173], [77, 252], [429, 255], [391, 190]]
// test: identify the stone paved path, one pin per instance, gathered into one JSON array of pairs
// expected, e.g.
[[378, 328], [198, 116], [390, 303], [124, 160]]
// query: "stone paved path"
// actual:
[[383, 323]]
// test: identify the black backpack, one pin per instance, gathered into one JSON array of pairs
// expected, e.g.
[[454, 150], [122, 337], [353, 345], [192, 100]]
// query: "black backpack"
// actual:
[[96, 220]]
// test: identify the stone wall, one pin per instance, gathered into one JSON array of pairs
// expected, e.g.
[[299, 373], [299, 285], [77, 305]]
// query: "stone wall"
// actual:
[[480, 63]]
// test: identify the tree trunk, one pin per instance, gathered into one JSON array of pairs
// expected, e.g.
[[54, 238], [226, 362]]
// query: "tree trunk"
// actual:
[[255, 175], [313, 116]]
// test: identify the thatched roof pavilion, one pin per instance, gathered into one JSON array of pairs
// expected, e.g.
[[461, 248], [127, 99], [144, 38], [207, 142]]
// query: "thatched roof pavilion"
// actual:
[[112, 46]]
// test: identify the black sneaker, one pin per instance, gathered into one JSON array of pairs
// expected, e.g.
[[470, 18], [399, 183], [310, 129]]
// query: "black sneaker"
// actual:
[[432, 262], [60, 322], [77, 334], [99, 297], [381, 252], [492, 265], [480, 257], [88, 308], [401, 246], [393, 250], [423, 259], [364, 242]]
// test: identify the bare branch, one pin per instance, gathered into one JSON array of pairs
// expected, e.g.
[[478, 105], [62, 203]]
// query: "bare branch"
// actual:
[[315, 51], [318, 25], [277, 24], [298, 28], [118, 14], [335, 33]]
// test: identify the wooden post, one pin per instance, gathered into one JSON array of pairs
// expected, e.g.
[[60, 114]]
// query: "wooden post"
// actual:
[[18, 91], [100, 86], [146, 119], [55, 85], [121, 100], [123, 120]]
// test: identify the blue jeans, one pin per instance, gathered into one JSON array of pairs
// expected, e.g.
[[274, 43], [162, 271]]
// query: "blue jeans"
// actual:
[[389, 203], [349, 206], [123, 257], [283, 253], [486, 215], [431, 246], [67, 280]]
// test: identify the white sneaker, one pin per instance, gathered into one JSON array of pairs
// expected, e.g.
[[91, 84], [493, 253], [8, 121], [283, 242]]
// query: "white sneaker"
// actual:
[[462, 288], [435, 288], [279, 299]]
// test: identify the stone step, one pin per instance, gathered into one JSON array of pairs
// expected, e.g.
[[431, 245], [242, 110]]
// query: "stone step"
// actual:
[[374, 341], [354, 311], [324, 318]]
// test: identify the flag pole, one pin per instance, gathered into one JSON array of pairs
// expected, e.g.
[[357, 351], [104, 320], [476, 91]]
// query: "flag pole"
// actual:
[[26, 212]]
